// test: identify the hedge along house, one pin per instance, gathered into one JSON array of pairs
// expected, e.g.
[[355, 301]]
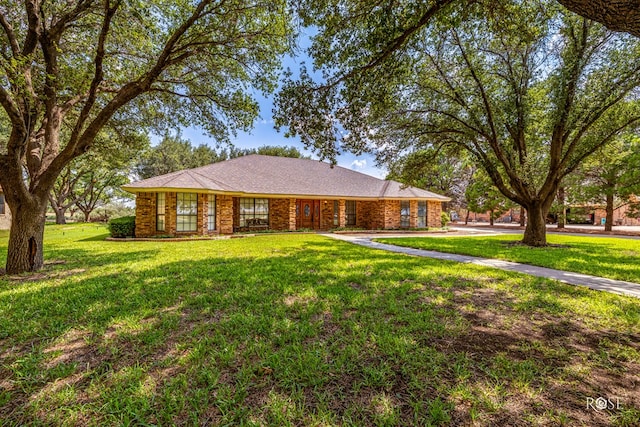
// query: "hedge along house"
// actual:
[[258, 192]]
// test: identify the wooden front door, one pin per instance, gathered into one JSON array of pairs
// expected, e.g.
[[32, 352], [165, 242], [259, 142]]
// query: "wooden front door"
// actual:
[[308, 214]]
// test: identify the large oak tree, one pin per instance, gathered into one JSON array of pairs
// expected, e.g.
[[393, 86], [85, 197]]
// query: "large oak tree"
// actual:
[[617, 15], [86, 63], [529, 89]]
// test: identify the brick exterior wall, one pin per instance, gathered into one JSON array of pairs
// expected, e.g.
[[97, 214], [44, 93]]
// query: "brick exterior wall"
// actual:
[[224, 214], [292, 214], [391, 213], [376, 214], [145, 214], [413, 214], [201, 220], [434, 212], [370, 214], [326, 215], [342, 213], [280, 214], [170, 213]]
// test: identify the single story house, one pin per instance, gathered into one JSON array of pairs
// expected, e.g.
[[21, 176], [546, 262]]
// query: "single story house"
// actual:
[[278, 193], [5, 213]]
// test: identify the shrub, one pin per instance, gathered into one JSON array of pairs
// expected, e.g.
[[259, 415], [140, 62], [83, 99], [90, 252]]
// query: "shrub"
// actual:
[[444, 219], [123, 227]]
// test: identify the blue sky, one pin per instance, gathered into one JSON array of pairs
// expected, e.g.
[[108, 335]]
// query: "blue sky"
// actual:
[[264, 132]]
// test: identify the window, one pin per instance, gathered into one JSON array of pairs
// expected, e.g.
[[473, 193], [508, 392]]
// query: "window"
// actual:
[[422, 214], [336, 213], [160, 209], [187, 212], [254, 212], [350, 212], [405, 213], [211, 215]]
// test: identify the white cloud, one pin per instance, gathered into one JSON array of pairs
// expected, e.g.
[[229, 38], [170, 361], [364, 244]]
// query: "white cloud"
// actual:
[[358, 164]]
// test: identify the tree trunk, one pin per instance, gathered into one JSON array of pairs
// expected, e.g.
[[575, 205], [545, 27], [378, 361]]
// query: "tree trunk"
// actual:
[[60, 217], [535, 233], [87, 216], [523, 216], [562, 213], [608, 226], [25, 239], [618, 15], [491, 218], [466, 218]]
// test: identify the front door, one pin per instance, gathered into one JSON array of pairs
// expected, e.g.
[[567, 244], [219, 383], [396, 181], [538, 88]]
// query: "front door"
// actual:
[[308, 214]]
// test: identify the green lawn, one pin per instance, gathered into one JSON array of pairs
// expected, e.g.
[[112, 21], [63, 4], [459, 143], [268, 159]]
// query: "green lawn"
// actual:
[[614, 258], [302, 330]]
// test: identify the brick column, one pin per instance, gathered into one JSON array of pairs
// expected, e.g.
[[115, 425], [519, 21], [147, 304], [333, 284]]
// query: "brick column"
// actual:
[[413, 213], [201, 221], [170, 213], [224, 214], [292, 214], [342, 213], [392, 214], [145, 214], [434, 211]]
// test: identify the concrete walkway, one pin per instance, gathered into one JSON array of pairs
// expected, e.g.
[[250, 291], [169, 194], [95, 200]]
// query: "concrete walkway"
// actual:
[[593, 282]]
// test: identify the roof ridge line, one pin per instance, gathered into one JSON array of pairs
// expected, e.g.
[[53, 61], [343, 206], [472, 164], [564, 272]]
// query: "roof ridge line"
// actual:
[[222, 184], [384, 187], [171, 175]]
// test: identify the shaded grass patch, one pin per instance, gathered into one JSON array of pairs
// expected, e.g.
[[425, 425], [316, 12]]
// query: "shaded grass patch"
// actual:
[[303, 330]]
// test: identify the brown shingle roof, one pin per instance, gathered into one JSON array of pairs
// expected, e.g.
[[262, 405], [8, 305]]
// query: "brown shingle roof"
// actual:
[[269, 175]]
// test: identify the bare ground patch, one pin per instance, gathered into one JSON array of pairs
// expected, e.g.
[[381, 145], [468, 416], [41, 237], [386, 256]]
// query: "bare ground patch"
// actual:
[[47, 272]]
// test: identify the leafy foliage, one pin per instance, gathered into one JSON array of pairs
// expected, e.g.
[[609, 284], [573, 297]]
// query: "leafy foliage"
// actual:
[[482, 196], [447, 172], [174, 153], [610, 178], [125, 226], [269, 150], [88, 64], [95, 178], [527, 88]]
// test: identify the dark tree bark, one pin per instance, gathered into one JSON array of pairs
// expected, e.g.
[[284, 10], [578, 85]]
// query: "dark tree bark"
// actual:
[[26, 237], [608, 226], [617, 15], [523, 217], [535, 231], [491, 218], [60, 216]]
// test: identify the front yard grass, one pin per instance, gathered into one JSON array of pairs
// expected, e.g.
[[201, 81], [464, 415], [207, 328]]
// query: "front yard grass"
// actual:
[[615, 258], [303, 330]]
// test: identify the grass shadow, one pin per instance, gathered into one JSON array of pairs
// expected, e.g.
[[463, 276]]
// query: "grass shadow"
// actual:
[[302, 330]]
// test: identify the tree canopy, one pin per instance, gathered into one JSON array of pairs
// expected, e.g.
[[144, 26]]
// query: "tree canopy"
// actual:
[[87, 63], [529, 89], [174, 153]]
